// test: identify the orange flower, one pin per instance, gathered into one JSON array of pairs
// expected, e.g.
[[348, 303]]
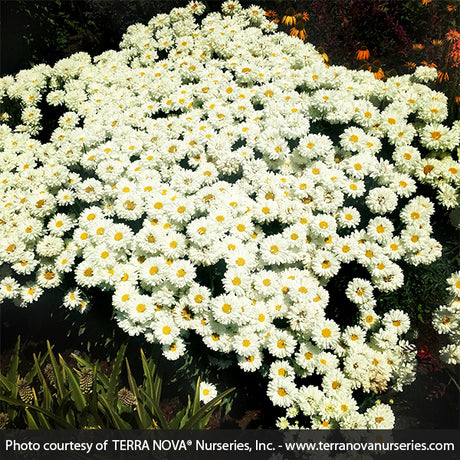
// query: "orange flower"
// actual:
[[379, 75], [457, 99], [305, 16], [272, 16], [323, 54], [451, 8], [429, 64], [363, 54], [299, 30], [437, 43], [418, 46], [410, 65], [426, 2], [453, 35], [455, 54], [443, 76], [289, 17], [376, 69]]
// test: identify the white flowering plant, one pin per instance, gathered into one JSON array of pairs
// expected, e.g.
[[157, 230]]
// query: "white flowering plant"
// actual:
[[215, 175]]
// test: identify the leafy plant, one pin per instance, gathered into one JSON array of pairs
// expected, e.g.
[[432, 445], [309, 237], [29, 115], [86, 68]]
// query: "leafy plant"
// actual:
[[59, 396]]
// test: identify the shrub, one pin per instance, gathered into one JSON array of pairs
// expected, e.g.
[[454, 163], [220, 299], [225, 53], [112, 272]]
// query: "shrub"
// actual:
[[216, 176]]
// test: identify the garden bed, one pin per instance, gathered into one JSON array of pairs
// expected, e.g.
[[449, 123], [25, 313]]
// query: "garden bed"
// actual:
[[224, 197]]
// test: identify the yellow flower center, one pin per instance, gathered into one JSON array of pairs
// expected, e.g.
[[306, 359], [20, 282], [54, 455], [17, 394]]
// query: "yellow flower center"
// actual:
[[274, 249]]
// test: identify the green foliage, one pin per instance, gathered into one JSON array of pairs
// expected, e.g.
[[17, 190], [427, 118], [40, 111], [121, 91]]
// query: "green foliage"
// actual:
[[84, 397]]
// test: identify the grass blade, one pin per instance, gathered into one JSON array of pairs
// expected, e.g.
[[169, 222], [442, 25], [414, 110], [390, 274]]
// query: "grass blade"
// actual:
[[31, 423], [60, 385], [74, 385], [149, 372], [210, 406], [143, 419], [47, 398], [163, 423], [118, 422], [15, 402], [7, 385], [115, 375]]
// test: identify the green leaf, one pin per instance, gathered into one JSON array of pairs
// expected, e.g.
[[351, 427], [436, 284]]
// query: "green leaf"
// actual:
[[209, 407], [118, 422], [47, 398], [66, 409], [43, 422], [7, 385], [155, 408], [60, 385], [33, 372], [12, 374], [144, 420], [82, 362], [15, 402], [31, 423], [196, 399], [152, 381], [115, 375], [74, 385], [176, 422], [156, 391]]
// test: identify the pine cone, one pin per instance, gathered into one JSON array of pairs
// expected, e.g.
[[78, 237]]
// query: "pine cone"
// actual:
[[4, 420], [48, 371], [25, 391], [86, 381], [126, 397]]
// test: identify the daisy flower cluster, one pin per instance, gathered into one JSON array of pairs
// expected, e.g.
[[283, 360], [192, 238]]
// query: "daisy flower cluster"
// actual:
[[214, 175], [446, 320]]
